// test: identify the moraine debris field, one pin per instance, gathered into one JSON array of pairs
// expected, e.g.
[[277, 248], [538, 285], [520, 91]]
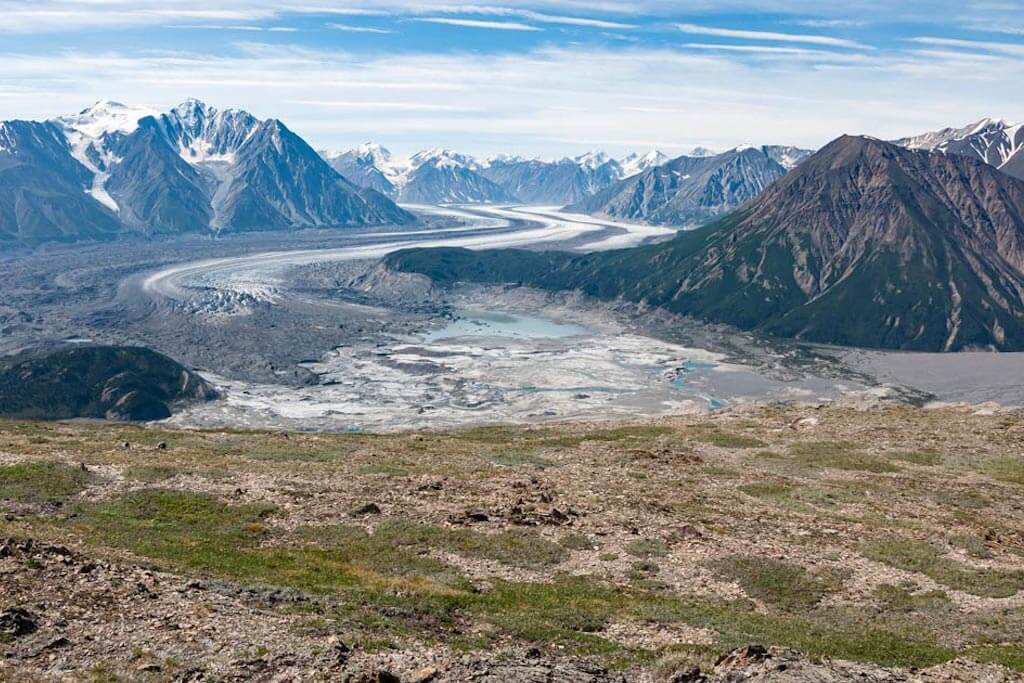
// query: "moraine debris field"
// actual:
[[758, 543]]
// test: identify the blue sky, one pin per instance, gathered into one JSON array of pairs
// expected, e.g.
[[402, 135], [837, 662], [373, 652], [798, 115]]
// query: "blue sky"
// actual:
[[530, 77]]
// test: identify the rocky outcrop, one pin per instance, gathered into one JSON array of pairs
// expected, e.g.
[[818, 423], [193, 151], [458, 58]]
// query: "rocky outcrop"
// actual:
[[107, 382]]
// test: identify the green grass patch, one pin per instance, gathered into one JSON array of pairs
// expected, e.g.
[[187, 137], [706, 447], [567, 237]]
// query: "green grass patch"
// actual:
[[840, 456], [899, 599], [784, 585], [576, 541], [924, 457], [1010, 655], [629, 433], [42, 482], [516, 548], [774, 491], [517, 457], [926, 558], [818, 633], [191, 529], [321, 452], [569, 608], [645, 548], [151, 473], [722, 439], [1009, 470], [806, 497], [972, 545]]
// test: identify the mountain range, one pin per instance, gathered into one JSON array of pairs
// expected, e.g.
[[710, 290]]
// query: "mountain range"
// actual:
[[690, 190], [112, 170], [442, 176], [994, 141], [865, 243]]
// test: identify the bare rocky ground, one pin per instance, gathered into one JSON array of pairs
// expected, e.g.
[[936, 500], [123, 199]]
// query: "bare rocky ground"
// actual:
[[93, 292], [762, 544]]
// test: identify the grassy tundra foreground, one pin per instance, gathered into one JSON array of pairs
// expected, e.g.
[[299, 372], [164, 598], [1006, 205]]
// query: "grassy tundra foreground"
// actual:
[[886, 544]]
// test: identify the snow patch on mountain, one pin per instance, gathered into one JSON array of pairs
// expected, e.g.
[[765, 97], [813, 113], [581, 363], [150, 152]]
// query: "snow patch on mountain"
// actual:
[[444, 158], [592, 160], [7, 139], [371, 151], [88, 133], [206, 137], [997, 142], [105, 117], [638, 163], [504, 159]]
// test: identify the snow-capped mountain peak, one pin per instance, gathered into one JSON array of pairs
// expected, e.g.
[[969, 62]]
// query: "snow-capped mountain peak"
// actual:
[[205, 135], [105, 117], [193, 111], [592, 160], [503, 159], [638, 163], [374, 153], [87, 133], [444, 158], [995, 141], [991, 124], [938, 138]]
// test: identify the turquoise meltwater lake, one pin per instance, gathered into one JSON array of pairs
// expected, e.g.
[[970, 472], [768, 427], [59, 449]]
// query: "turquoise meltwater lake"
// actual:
[[501, 324]]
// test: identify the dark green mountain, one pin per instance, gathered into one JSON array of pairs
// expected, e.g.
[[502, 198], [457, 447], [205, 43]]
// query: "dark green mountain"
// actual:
[[864, 244], [108, 382]]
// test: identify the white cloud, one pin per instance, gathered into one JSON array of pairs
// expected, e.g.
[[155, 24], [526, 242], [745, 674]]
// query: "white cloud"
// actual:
[[575, 21], [488, 103], [223, 27], [476, 23], [763, 50], [355, 29], [34, 16], [695, 29], [987, 46], [333, 10], [532, 15], [831, 23], [386, 106]]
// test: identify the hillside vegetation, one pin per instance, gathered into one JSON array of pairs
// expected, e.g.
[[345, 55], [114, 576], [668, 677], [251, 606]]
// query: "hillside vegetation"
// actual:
[[884, 540]]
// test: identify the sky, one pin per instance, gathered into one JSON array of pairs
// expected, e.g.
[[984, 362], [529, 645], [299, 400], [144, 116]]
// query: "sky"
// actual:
[[530, 77]]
